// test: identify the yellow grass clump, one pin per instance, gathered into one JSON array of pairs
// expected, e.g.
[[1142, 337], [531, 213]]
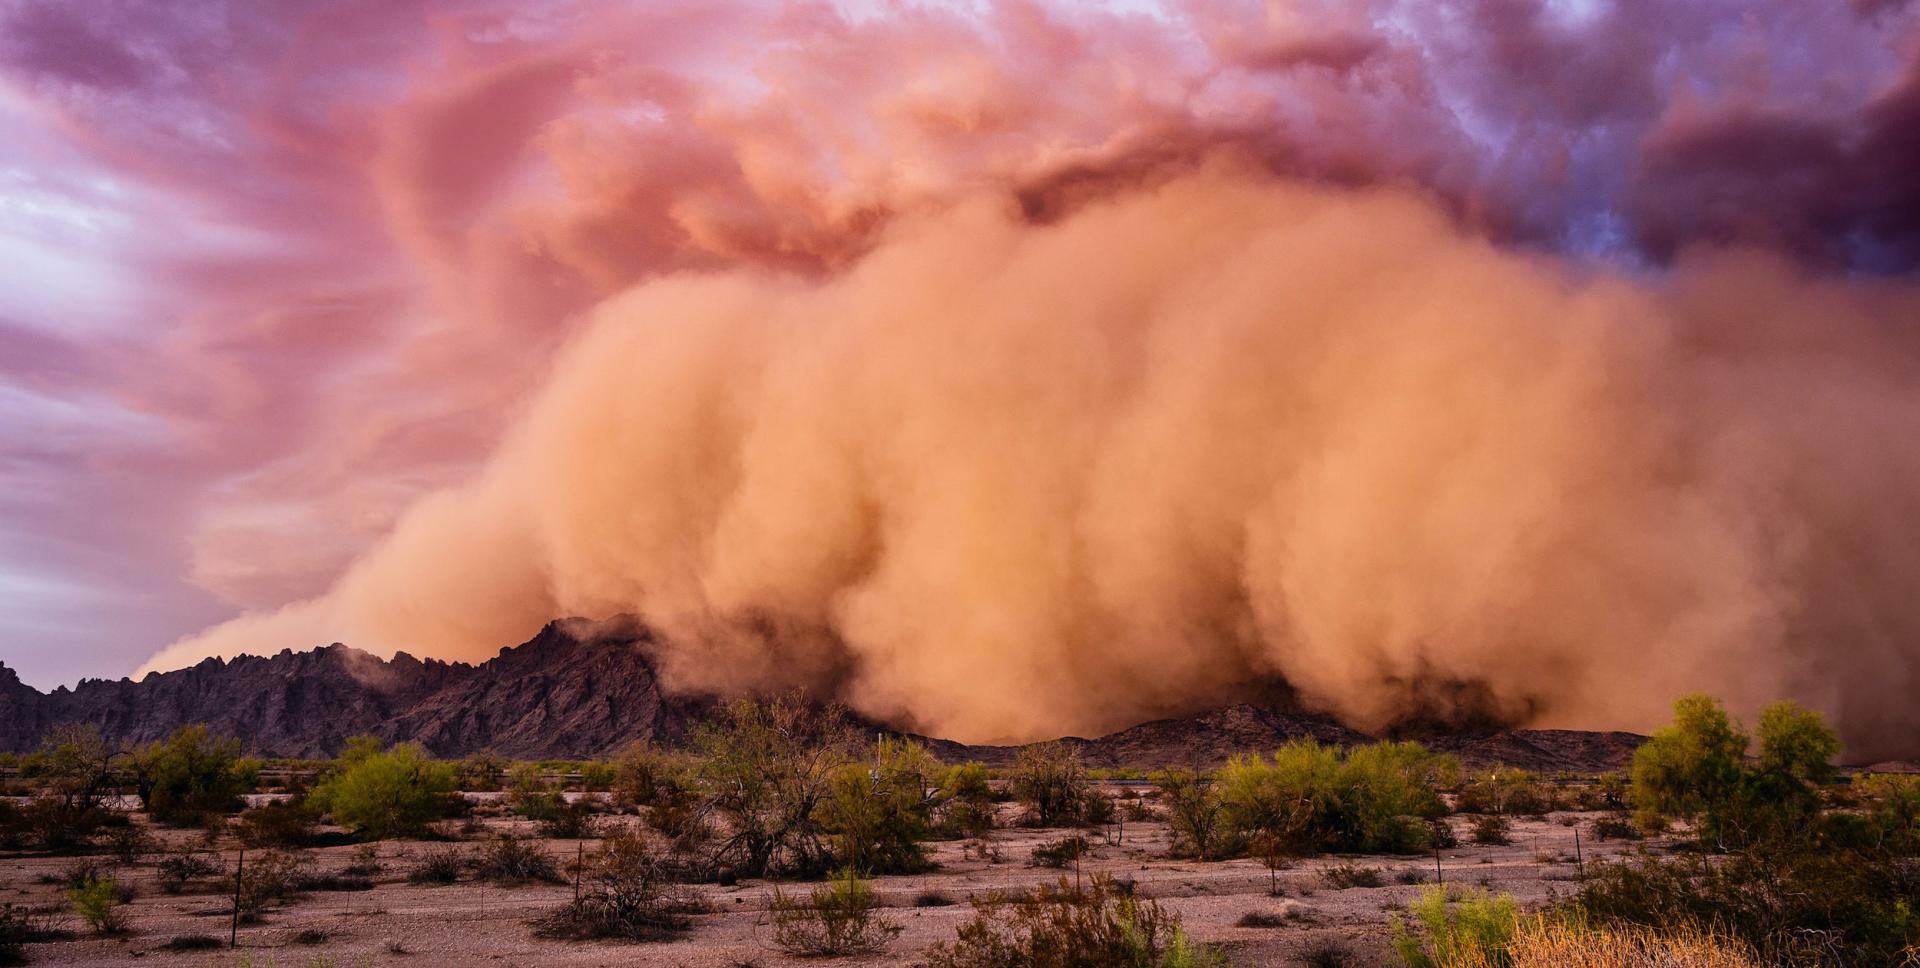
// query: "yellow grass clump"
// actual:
[[1545, 942]]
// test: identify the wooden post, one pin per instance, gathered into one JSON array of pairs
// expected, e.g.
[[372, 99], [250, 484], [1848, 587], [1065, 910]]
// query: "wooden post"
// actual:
[[1438, 874], [1579, 857], [579, 864], [239, 873]]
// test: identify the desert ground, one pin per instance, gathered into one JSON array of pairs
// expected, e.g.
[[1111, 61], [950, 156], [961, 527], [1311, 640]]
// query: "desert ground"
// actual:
[[467, 923]]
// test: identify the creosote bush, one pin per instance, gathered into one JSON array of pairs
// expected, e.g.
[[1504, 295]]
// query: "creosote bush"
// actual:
[[839, 918], [1055, 926]]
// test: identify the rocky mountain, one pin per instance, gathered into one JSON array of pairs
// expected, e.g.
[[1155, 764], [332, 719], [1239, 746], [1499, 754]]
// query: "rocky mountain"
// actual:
[[575, 689], [581, 689]]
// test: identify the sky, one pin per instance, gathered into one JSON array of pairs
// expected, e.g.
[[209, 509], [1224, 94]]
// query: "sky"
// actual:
[[274, 273]]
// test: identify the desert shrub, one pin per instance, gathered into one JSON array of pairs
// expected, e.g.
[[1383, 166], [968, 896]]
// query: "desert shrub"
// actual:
[[77, 772], [837, 919], [627, 891], [1326, 954], [1492, 830], [99, 903], [193, 942], [286, 824], [569, 820], [83, 871], [15, 931], [927, 899], [175, 870], [437, 865], [129, 843], [766, 767], [1060, 853], [384, 794], [1055, 926], [265, 878], [1440, 834], [1893, 811], [1803, 901], [529, 794], [880, 810], [1695, 769], [1451, 933], [13, 826], [645, 776], [513, 860], [481, 771], [1051, 782], [192, 774], [1194, 813], [1262, 919], [598, 776], [1614, 828], [1505, 791], [1344, 875], [365, 863], [964, 807], [1371, 799]]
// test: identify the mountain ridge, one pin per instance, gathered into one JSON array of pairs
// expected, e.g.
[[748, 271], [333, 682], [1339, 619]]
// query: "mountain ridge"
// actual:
[[583, 689]]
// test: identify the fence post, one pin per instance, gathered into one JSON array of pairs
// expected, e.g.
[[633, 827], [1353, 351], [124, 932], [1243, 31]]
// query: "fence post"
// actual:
[[1578, 856], [239, 874]]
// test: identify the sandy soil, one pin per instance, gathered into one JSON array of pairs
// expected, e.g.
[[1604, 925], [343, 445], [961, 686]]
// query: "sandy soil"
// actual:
[[467, 924]]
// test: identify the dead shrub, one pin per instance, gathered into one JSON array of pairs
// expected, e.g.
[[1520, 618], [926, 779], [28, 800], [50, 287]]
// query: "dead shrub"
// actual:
[[438, 865], [1060, 853], [176, 869], [512, 860], [264, 879], [1492, 830], [1345, 875], [627, 891]]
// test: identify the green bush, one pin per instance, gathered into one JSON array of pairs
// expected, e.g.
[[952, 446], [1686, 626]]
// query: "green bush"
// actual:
[[1802, 900], [881, 809], [385, 794], [1474, 930], [1060, 927], [99, 903], [965, 807], [1371, 799], [193, 775]]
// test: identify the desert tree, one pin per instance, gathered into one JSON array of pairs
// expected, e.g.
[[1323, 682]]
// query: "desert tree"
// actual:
[[192, 775], [765, 768]]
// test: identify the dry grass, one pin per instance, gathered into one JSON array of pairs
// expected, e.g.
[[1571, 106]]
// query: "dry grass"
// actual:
[[1547, 943]]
